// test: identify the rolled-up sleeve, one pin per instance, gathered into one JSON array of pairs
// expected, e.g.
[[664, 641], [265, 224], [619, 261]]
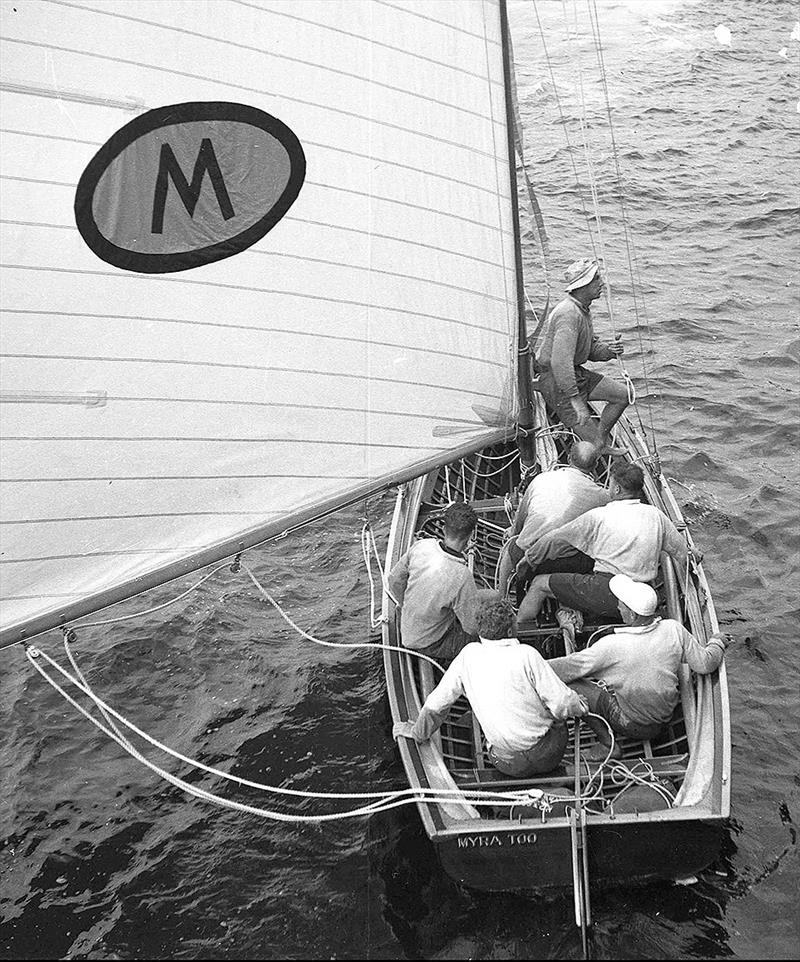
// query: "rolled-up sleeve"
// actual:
[[701, 658]]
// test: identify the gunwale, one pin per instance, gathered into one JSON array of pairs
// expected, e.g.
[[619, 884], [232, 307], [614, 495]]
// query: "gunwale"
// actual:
[[666, 843]]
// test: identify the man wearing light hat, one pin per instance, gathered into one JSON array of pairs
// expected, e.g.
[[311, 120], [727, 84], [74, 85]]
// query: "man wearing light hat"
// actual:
[[568, 341], [630, 677]]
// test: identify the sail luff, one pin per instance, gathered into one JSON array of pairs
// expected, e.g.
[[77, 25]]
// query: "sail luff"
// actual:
[[526, 421]]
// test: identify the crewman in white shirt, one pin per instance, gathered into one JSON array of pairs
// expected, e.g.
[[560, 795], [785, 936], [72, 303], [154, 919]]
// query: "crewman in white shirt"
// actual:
[[552, 499], [636, 667], [519, 701], [435, 589], [626, 537]]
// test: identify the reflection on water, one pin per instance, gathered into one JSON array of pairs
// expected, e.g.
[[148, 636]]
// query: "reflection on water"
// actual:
[[433, 917]]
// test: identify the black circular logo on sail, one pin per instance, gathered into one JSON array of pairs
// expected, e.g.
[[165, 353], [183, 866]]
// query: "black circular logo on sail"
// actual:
[[188, 184]]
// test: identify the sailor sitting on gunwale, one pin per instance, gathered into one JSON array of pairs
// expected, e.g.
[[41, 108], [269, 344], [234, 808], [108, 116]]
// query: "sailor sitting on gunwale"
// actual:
[[518, 700], [630, 677], [625, 537]]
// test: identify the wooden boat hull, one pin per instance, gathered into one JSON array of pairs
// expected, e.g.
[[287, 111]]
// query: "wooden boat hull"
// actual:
[[484, 848], [540, 857]]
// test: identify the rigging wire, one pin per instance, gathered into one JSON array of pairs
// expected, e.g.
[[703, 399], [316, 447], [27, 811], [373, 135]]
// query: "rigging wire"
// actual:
[[578, 185], [633, 265]]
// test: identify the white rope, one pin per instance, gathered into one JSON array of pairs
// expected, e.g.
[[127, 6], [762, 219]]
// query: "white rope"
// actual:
[[79, 673], [334, 644], [412, 794], [490, 474], [149, 611], [369, 548], [383, 801]]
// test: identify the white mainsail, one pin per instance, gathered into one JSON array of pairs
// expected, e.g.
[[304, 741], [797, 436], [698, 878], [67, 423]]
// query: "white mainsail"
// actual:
[[153, 422]]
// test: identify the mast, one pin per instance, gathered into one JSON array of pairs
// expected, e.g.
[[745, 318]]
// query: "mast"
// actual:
[[525, 441]]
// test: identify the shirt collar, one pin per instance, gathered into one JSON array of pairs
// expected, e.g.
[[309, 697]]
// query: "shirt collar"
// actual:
[[499, 642], [638, 629], [584, 310], [628, 501], [452, 552]]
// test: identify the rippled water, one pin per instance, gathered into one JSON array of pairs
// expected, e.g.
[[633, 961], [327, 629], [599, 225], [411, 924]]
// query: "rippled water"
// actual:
[[100, 858]]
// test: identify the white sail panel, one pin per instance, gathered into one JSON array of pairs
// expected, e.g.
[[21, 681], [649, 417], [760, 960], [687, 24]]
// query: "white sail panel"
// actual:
[[150, 417]]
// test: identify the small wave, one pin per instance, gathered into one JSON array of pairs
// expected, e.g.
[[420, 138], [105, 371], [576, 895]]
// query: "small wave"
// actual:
[[777, 214], [793, 349], [733, 302], [759, 127]]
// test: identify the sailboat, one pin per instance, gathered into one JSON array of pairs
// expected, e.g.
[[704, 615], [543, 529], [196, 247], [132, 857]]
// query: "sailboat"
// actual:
[[261, 261]]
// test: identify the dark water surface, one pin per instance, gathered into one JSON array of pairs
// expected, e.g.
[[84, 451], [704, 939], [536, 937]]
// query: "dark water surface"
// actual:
[[100, 858]]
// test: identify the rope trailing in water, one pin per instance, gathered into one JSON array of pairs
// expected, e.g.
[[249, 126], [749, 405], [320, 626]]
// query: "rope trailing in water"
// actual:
[[379, 801], [382, 800], [150, 611], [334, 644], [580, 860]]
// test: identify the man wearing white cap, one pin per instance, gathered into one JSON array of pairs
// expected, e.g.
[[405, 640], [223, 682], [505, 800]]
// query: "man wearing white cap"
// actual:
[[630, 677], [568, 341]]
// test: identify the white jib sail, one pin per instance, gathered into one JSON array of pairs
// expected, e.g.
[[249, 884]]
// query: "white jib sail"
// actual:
[[155, 410]]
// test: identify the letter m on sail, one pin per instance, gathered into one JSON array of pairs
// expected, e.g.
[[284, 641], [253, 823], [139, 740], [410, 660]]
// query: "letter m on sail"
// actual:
[[169, 168]]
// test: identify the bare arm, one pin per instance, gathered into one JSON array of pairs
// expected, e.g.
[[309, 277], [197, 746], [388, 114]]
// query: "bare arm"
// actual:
[[673, 542]]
